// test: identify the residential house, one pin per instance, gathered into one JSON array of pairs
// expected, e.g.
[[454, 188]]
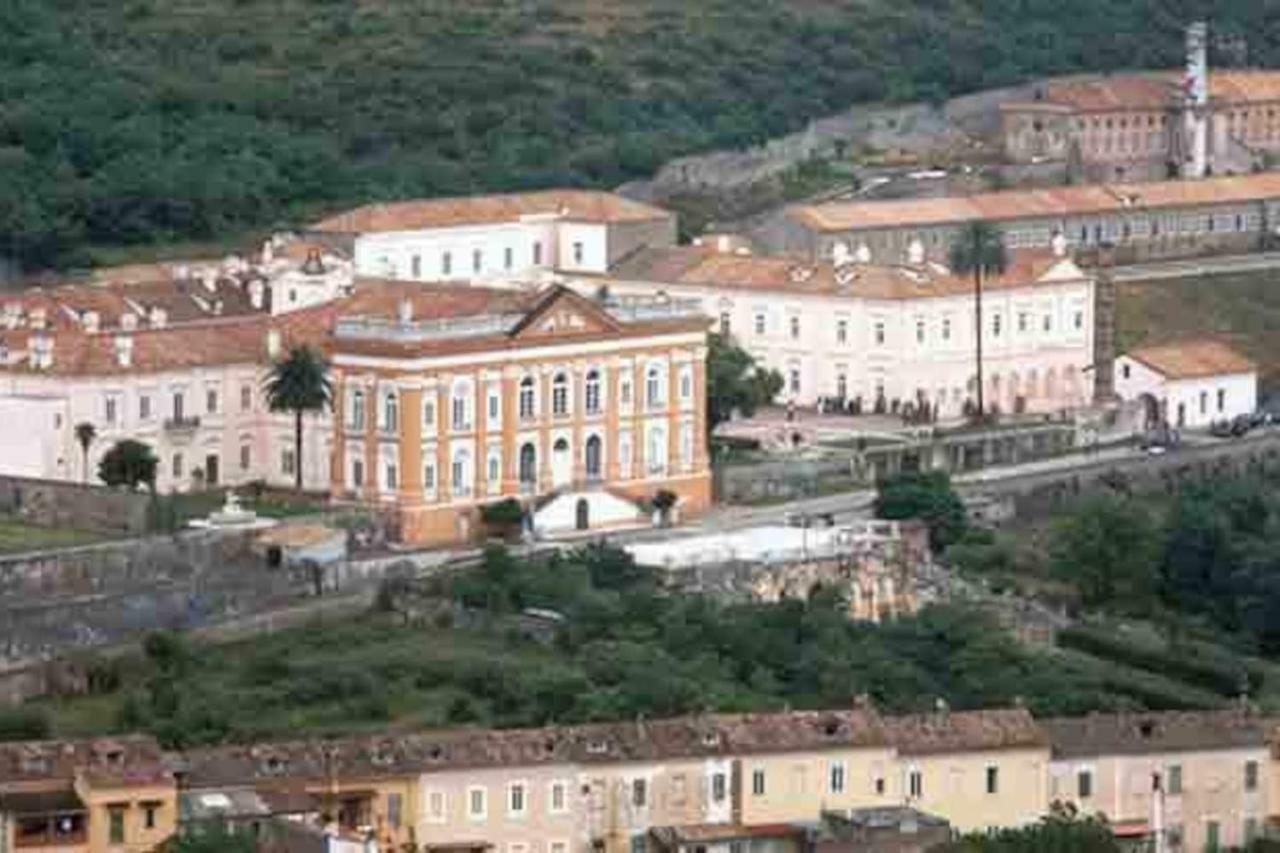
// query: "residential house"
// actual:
[[1188, 383], [1201, 780]]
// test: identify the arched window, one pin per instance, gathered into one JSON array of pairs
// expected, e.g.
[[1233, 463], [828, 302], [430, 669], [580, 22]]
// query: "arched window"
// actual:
[[528, 399], [591, 392], [560, 395], [390, 412], [653, 387], [528, 464], [593, 458]]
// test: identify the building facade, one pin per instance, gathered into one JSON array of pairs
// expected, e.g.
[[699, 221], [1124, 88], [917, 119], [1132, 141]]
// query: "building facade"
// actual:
[[893, 335], [1196, 780], [447, 399], [495, 237], [177, 364], [1188, 384], [90, 796], [1166, 219]]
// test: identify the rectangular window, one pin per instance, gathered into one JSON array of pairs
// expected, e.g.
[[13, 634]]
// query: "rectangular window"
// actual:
[[718, 787], [558, 801], [179, 405], [537, 254], [149, 815], [1250, 830], [144, 407], [395, 808], [429, 477], [946, 328], [515, 799], [390, 475], [639, 793], [842, 331], [1084, 784], [919, 331], [724, 325], [760, 324], [837, 778], [495, 408], [477, 260], [795, 328], [1078, 320], [1251, 775], [436, 807], [1175, 779], [638, 843], [244, 457], [993, 780], [1022, 321], [287, 461], [624, 392], [508, 258], [415, 266], [757, 782], [246, 398], [459, 412], [995, 325], [1204, 402], [115, 830], [446, 263], [429, 416], [211, 401], [795, 381], [1212, 839], [879, 332], [1047, 324], [177, 465], [915, 784], [577, 253], [109, 411], [1222, 399], [477, 803]]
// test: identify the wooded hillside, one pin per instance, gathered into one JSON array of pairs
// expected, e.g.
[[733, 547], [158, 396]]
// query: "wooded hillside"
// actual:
[[133, 121]]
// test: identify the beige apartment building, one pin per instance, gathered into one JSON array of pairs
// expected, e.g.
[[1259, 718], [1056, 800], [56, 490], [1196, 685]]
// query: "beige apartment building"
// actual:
[[1201, 780], [977, 769]]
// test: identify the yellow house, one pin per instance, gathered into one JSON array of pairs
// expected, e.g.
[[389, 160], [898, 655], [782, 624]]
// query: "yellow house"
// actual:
[[1202, 780], [105, 794], [977, 769]]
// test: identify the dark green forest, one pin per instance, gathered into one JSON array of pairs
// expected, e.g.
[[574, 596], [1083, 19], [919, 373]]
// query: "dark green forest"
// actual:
[[127, 122]]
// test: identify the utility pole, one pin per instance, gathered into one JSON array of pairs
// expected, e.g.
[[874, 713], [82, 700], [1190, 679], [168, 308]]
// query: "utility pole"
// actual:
[[977, 311]]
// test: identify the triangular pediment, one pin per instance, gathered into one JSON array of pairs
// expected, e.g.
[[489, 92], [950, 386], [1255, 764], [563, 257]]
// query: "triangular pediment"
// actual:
[[564, 313]]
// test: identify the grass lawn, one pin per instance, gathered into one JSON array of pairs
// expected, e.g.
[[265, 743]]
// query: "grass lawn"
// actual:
[[18, 536]]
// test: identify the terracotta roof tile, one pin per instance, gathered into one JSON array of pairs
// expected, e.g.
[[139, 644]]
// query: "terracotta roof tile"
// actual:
[[1191, 359], [1041, 203], [965, 731], [578, 205], [108, 761], [1145, 732], [692, 267]]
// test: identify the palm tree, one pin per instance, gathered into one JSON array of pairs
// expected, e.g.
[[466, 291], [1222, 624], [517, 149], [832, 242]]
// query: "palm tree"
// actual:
[[299, 384], [979, 249], [85, 434]]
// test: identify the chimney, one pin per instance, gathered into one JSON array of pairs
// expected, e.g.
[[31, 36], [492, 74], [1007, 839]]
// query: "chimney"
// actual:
[[124, 350], [128, 321], [256, 294], [405, 312], [273, 343], [159, 318], [91, 322]]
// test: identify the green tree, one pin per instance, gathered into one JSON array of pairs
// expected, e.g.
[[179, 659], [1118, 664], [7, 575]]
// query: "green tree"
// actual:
[[926, 496], [735, 382], [85, 434], [130, 464], [299, 384], [1108, 547], [978, 249], [1063, 830], [214, 837]]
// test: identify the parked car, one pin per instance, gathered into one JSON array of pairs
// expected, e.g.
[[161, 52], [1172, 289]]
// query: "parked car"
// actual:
[[1220, 429], [1241, 425]]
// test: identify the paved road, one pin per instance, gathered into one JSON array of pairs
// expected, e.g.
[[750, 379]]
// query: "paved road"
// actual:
[[1198, 266]]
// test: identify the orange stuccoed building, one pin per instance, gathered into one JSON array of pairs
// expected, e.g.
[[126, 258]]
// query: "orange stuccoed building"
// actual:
[[450, 398]]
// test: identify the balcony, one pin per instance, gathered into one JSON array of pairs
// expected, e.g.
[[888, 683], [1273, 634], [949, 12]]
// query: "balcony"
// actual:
[[184, 424]]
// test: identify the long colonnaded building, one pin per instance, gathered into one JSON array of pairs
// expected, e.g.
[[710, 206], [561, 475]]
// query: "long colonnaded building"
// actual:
[[1143, 221], [449, 398]]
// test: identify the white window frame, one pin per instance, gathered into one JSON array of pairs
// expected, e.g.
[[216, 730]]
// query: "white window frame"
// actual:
[[483, 813], [563, 786], [432, 817], [522, 787]]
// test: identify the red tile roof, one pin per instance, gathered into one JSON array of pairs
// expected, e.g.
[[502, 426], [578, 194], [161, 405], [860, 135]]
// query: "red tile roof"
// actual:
[[1193, 359], [106, 761], [577, 205], [1145, 732], [965, 731], [693, 267], [1034, 203]]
